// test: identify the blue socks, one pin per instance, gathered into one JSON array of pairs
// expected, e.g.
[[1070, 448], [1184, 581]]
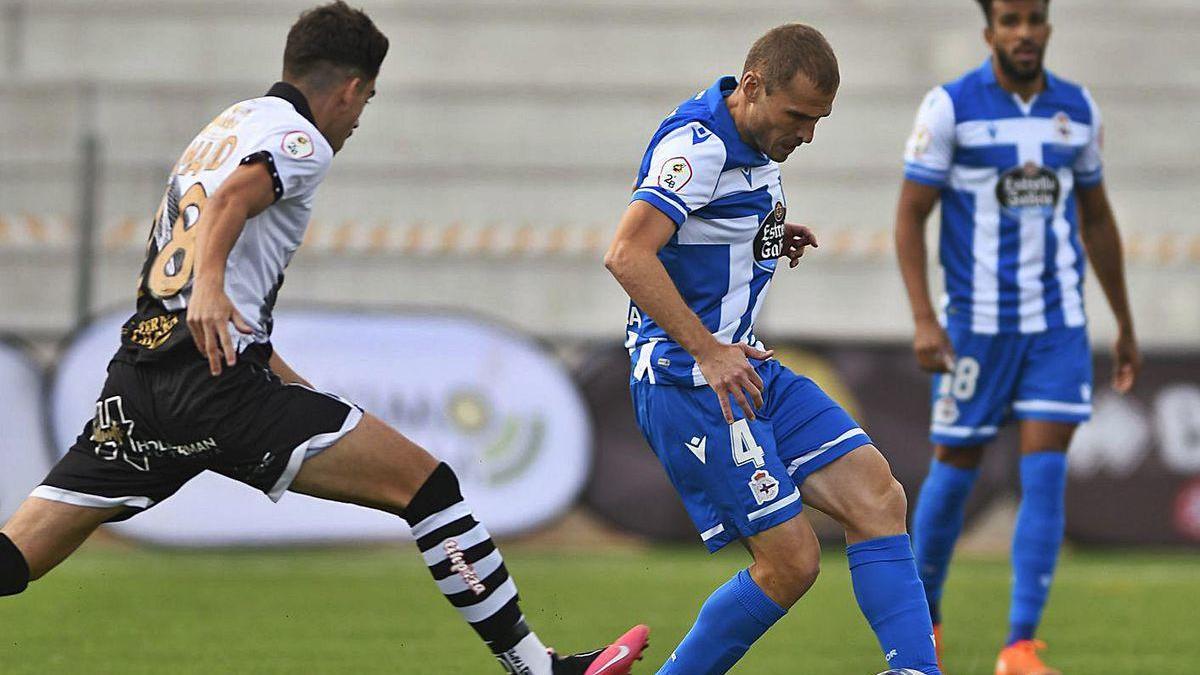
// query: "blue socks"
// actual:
[[732, 618], [885, 583], [937, 522], [892, 599], [1040, 523]]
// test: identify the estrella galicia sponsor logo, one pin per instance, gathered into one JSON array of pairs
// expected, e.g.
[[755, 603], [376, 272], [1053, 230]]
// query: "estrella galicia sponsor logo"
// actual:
[[768, 243], [1028, 188]]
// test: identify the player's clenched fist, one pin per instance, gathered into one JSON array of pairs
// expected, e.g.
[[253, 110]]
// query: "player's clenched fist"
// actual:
[[208, 316], [728, 373]]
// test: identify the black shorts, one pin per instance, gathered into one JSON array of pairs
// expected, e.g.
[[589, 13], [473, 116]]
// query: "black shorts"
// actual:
[[158, 425]]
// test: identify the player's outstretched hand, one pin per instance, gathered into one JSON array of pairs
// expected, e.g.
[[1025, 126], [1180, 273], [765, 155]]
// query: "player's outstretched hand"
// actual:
[[1127, 362], [795, 239], [728, 373], [935, 353], [208, 315]]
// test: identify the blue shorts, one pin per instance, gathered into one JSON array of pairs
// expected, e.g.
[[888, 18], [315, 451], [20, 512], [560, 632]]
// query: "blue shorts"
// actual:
[[1039, 376], [739, 479]]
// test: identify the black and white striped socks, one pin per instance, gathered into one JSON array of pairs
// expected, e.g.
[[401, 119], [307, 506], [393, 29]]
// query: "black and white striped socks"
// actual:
[[470, 572]]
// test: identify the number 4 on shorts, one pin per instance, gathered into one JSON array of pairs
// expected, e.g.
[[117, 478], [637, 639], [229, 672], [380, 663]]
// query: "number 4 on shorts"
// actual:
[[745, 449]]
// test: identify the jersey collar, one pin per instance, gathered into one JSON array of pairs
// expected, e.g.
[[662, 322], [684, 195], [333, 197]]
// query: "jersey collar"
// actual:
[[294, 96], [737, 153]]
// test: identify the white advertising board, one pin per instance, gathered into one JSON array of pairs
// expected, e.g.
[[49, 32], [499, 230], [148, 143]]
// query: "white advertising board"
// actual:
[[23, 457], [492, 403]]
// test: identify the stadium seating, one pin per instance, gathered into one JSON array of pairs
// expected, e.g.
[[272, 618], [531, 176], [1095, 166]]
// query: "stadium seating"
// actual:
[[511, 130]]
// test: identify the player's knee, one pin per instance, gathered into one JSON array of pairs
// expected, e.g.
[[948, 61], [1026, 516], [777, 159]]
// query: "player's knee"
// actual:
[[881, 510], [14, 571], [959, 457], [795, 572]]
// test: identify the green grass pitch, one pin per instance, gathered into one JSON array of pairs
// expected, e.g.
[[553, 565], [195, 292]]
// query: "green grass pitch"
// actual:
[[375, 611]]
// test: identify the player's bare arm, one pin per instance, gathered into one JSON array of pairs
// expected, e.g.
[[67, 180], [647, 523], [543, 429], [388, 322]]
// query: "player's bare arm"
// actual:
[[930, 342], [247, 192], [633, 260], [1102, 239]]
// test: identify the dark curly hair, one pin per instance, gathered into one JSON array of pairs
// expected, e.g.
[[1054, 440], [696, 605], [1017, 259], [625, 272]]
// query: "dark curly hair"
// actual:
[[330, 38]]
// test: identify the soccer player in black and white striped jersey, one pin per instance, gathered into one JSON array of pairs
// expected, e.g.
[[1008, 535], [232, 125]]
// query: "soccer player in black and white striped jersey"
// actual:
[[184, 394]]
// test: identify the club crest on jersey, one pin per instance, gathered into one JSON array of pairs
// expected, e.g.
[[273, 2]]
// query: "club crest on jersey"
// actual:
[[1028, 188], [676, 172], [945, 411], [298, 145], [1062, 126], [763, 486], [768, 243]]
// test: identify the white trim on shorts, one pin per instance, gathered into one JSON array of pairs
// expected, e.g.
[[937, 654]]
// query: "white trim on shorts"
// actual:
[[809, 456], [1052, 407], [711, 532], [768, 510], [963, 432], [56, 494], [312, 447]]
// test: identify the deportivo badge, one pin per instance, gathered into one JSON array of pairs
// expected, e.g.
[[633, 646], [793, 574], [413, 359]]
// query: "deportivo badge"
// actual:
[[1062, 125], [763, 486], [676, 172], [945, 411]]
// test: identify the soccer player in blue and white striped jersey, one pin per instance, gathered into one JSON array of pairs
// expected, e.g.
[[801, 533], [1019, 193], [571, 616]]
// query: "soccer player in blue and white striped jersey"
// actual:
[[1012, 152], [696, 251]]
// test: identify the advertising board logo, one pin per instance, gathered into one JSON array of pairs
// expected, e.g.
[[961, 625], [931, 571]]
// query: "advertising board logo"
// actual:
[[507, 444]]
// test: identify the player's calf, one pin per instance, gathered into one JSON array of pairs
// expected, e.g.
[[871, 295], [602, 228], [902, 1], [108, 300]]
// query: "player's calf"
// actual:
[[859, 491], [40, 535], [787, 560]]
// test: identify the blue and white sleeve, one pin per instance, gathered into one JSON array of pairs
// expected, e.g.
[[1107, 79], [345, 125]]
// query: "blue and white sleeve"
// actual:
[[683, 171], [1088, 167], [930, 148]]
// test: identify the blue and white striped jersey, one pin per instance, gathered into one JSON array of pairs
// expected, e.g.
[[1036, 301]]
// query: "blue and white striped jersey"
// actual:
[[728, 205], [1008, 170]]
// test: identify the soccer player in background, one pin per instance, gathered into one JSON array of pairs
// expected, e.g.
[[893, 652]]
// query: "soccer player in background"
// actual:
[[186, 394], [1013, 154], [696, 250]]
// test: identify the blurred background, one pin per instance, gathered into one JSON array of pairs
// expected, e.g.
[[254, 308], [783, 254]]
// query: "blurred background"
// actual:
[[452, 278]]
